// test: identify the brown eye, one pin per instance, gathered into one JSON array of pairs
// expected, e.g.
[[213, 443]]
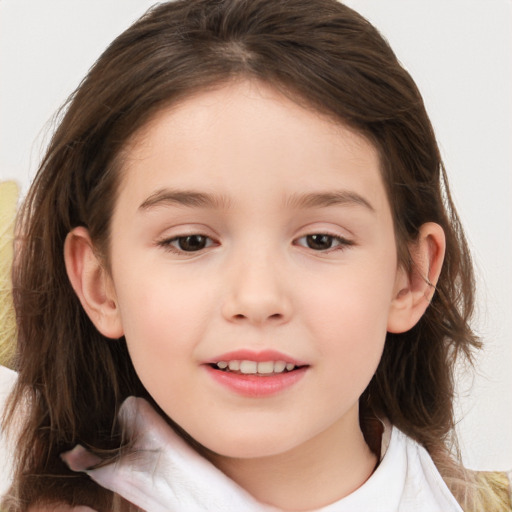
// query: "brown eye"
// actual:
[[181, 245], [323, 242], [192, 242], [319, 242]]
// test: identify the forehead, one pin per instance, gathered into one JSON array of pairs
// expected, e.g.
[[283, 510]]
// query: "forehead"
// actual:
[[242, 134]]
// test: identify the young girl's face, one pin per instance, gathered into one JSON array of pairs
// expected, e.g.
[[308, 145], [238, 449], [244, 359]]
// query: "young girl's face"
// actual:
[[253, 233]]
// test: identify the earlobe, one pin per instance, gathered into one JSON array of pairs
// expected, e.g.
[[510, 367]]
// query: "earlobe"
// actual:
[[92, 283], [415, 288]]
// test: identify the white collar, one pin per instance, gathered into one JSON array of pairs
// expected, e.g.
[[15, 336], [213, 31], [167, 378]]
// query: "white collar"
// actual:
[[406, 480], [172, 476]]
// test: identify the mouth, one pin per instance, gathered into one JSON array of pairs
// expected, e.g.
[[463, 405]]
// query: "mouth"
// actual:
[[258, 368], [256, 374]]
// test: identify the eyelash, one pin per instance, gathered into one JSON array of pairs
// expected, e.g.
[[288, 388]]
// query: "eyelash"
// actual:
[[168, 244], [342, 242]]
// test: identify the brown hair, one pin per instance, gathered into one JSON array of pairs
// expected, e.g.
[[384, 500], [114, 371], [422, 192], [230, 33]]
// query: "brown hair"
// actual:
[[321, 54]]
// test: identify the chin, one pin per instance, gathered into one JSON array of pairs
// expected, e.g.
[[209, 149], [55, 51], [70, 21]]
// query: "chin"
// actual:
[[246, 447]]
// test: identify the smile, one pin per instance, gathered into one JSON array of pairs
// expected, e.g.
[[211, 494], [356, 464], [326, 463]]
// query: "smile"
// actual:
[[256, 374], [247, 367]]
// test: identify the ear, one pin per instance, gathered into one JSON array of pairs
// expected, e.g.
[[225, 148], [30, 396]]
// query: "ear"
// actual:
[[92, 283], [415, 288]]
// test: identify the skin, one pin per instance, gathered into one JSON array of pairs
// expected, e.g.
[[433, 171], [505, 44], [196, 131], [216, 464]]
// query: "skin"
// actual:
[[257, 284]]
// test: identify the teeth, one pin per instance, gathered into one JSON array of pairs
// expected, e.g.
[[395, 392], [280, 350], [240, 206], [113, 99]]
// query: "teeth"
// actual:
[[234, 366], [266, 368], [279, 366], [247, 367]]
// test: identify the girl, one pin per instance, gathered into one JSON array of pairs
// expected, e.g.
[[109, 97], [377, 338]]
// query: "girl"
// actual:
[[244, 221]]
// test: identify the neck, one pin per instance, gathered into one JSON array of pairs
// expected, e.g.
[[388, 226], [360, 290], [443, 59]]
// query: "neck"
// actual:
[[320, 471]]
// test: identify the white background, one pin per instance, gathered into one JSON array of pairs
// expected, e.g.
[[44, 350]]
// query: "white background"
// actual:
[[460, 54]]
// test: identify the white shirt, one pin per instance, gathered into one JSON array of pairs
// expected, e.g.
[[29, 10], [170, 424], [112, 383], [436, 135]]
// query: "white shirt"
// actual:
[[406, 479], [7, 380]]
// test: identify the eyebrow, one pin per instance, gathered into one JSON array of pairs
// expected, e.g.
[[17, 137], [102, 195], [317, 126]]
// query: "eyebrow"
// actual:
[[330, 198], [190, 198]]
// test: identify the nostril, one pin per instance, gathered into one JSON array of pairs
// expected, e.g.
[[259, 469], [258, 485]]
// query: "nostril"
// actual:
[[275, 316]]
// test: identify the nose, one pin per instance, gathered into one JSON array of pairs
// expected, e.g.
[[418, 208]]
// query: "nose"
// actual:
[[256, 292]]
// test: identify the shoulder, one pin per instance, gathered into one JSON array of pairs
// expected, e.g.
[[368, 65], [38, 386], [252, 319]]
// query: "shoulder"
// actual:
[[422, 483], [406, 479], [7, 380], [484, 490], [495, 489]]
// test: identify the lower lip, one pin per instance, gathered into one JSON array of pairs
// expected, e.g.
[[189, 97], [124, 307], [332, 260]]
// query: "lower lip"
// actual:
[[256, 386]]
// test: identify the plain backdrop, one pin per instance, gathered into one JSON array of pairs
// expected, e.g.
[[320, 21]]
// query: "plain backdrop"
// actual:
[[460, 54]]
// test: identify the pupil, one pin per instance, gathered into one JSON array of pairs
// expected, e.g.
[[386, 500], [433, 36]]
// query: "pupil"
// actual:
[[192, 242], [319, 242]]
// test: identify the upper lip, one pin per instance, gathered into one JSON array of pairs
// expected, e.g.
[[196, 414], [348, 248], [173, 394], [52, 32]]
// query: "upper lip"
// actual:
[[258, 356]]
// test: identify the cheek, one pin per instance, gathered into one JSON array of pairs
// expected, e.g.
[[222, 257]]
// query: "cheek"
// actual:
[[161, 331], [162, 322], [351, 301], [348, 318]]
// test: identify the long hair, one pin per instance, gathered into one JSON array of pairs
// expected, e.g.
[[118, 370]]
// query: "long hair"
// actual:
[[322, 55]]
